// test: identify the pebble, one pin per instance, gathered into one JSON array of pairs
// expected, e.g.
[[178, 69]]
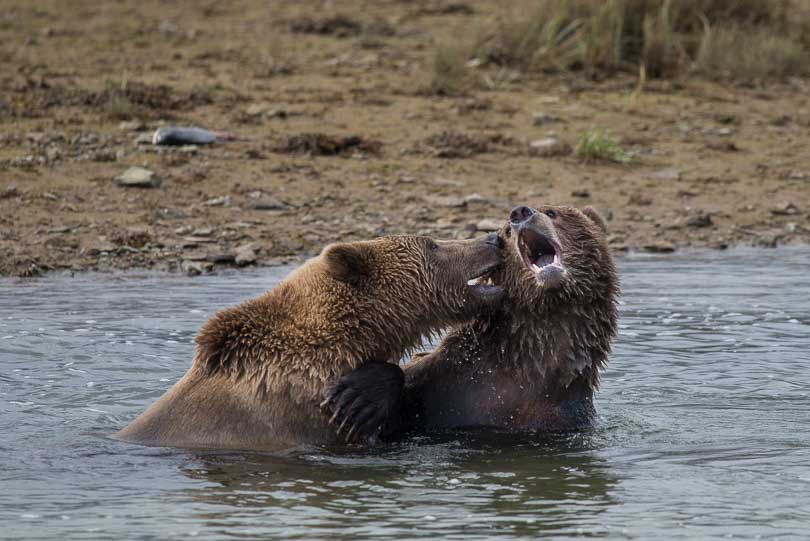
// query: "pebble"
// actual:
[[246, 254], [700, 219], [221, 201], [541, 119], [659, 247], [266, 202], [549, 147], [785, 209], [580, 193], [138, 177], [203, 232], [450, 183], [670, 173]]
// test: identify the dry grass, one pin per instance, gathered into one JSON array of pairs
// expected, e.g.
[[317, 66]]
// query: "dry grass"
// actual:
[[668, 37], [449, 76]]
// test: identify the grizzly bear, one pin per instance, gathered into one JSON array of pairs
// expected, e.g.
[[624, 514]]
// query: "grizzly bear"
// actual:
[[532, 364], [261, 367]]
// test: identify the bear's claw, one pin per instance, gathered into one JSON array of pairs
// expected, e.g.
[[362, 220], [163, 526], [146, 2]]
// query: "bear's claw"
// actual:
[[364, 400]]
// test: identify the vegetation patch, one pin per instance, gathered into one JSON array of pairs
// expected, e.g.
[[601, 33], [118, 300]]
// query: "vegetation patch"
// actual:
[[737, 39], [599, 146]]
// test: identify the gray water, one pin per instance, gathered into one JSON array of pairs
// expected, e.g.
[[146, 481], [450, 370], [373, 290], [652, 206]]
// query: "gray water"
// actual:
[[704, 427]]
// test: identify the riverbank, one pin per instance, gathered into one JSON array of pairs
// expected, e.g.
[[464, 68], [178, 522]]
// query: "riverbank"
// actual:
[[341, 139]]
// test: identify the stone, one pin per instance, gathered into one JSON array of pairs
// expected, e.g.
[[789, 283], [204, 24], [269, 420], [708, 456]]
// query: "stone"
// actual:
[[659, 247], [192, 268], [699, 219], [202, 232], [549, 147], [138, 177], [785, 209], [448, 182], [670, 173], [221, 201], [266, 202], [144, 139], [580, 193], [246, 254], [541, 119], [476, 199]]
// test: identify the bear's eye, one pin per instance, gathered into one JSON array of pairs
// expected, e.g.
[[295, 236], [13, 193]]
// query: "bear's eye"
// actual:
[[509, 233], [551, 214], [433, 246]]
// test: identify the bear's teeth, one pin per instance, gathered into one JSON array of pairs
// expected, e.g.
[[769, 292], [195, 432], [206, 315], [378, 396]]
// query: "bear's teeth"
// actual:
[[471, 281], [535, 268], [490, 282]]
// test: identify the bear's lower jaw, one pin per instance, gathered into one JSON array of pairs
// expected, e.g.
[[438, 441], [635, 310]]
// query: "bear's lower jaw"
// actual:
[[541, 254]]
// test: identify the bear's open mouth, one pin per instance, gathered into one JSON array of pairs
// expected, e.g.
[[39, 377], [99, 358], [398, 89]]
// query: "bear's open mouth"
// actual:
[[538, 251], [481, 283]]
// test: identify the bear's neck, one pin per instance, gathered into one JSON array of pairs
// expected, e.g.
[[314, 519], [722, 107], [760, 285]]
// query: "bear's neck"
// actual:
[[553, 347]]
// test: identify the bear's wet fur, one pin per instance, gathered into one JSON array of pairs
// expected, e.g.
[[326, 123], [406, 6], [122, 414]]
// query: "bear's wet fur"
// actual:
[[260, 367], [534, 364]]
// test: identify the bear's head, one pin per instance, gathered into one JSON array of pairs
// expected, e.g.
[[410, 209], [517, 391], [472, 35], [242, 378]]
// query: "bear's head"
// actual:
[[555, 255], [417, 280]]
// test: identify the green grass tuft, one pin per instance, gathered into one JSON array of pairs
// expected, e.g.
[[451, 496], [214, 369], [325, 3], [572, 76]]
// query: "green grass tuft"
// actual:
[[597, 145]]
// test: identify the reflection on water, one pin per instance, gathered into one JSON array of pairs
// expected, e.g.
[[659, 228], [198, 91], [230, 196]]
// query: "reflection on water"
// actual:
[[704, 429]]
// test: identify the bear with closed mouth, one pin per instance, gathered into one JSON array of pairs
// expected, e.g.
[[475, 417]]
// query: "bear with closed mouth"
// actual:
[[531, 364], [261, 367]]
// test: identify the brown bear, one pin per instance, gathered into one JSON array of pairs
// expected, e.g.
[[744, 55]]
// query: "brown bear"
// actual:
[[261, 367], [534, 363]]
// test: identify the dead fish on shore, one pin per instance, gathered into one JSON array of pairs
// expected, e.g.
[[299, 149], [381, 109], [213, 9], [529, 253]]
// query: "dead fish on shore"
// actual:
[[176, 135]]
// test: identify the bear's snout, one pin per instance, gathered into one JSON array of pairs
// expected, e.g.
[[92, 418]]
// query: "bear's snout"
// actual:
[[521, 214]]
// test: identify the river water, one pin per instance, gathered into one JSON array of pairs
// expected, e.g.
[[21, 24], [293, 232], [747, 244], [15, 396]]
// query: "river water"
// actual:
[[704, 427]]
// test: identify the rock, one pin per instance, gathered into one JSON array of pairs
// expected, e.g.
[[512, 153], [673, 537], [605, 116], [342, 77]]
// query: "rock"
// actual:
[[639, 200], [549, 147], [699, 219], [476, 199], [9, 192], [791, 227], [785, 209], [262, 201], [101, 247], [131, 125], [541, 119], [670, 173], [144, 139], [489, 225], [138, 177], [580, 193], [221, 201], [183, 230], [246, 254], [203, 232], [448, 182], [192, 268], [659, 247]]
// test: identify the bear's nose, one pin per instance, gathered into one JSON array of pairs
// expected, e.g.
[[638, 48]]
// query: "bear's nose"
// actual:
[[521, 214]]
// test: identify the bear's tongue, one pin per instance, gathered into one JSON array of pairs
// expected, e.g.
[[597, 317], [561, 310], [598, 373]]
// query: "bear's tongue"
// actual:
[[542, 260]]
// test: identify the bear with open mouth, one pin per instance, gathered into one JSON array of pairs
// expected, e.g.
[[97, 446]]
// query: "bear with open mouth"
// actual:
[[533, 363]]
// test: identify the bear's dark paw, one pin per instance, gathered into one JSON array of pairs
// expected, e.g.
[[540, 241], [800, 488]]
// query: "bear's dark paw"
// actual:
[[364, 399]]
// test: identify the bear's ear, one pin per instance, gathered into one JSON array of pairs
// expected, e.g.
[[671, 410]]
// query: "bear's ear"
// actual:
[[595, 217], [347, 262]]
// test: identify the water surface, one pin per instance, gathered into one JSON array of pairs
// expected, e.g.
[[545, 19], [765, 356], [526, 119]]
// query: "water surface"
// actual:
[[704, 427]]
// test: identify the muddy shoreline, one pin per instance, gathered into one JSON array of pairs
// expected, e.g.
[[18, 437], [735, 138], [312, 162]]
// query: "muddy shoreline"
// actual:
[[340, 141]]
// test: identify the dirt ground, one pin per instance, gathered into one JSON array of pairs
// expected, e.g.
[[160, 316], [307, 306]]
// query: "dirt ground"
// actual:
[[341, 140]]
